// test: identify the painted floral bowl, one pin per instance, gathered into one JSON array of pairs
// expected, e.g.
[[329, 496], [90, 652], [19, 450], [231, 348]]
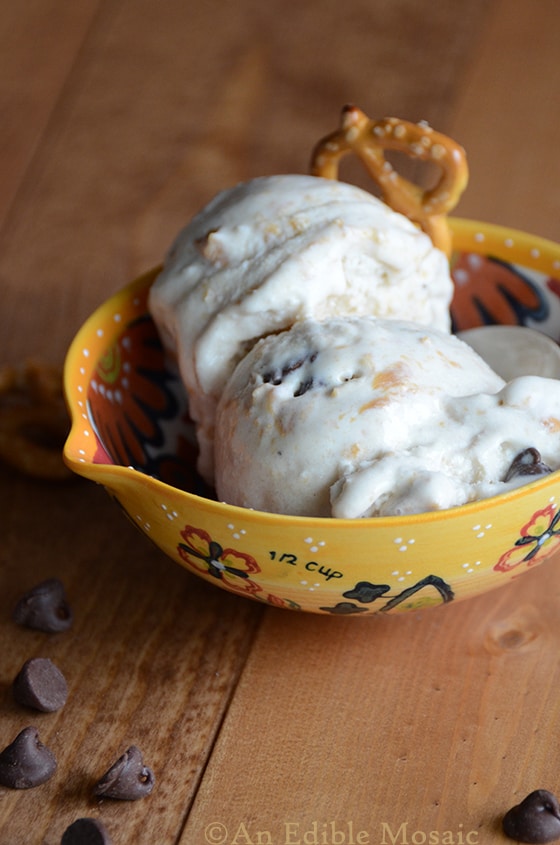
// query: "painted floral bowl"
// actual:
[[131, 433]]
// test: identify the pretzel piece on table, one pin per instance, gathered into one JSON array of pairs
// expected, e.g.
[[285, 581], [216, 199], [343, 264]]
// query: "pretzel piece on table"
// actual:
[[33, 420], [369, 139]]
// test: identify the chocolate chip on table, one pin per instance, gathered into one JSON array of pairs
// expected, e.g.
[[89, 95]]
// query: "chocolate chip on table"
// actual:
[[536, 819], [44, 608], [86, 831], [41, 685], [26, 762], [128, 779], [527, 462]]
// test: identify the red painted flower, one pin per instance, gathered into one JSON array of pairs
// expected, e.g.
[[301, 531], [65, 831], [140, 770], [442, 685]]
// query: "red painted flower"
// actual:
[[537, 539], [208, 557]]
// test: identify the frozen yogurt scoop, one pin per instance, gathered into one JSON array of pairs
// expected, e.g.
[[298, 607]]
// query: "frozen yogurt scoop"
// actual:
[[355, 417], [277, 250]]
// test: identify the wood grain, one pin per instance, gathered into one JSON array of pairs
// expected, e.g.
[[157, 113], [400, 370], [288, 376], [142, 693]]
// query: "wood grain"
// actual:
[[115, 131], [34, 78], [507, 118]]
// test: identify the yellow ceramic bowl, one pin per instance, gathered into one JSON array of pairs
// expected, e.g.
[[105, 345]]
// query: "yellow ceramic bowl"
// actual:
[[131, 433]]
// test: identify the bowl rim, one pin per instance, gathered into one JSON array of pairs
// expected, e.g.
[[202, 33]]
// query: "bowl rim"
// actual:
[[467, 234]]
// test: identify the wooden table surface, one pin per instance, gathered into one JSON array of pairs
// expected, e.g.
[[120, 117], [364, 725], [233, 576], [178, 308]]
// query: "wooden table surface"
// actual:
[[118, 120]]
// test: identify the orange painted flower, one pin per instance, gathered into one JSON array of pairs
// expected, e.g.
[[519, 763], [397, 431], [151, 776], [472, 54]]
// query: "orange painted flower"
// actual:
[[537, 539]]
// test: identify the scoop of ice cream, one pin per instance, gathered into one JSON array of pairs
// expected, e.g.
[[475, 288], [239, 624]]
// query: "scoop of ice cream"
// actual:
[[384, 416], [481, 445], [281, 249]]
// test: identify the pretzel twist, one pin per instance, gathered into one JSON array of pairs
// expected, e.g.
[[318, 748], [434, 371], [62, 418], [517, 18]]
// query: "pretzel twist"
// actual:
[[369, 139], [33, 420]]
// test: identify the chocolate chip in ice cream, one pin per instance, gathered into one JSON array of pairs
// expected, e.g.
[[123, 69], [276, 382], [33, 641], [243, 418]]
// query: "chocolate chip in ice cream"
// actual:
[[527, 462], [307, 381], [86, 831], [278, 375], [44, 608], [305, 386], [536, 819], [41, 685], [26, 762], [128, 779]]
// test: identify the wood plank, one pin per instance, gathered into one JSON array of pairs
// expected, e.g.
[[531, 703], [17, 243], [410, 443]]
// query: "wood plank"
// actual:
[[507, 119], [40, 72]]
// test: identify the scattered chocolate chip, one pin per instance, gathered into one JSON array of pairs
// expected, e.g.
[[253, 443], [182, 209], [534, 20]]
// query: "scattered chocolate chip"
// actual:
[[26, 762], [536, 819], [44, 608], [86, 832], [128, 779], [527, 462], [41, 685]]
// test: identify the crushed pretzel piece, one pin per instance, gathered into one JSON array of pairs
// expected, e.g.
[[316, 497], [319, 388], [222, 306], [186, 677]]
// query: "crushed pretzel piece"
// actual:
[[369, 139]]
